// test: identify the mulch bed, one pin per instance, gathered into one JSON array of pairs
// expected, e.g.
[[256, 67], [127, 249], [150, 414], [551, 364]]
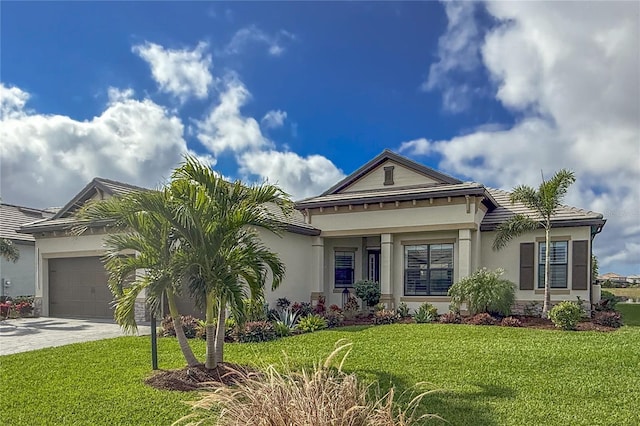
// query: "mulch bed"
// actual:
[[546, 324], [198, 378]]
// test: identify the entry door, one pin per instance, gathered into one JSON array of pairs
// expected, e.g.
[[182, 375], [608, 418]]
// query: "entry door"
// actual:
[[374, 265]]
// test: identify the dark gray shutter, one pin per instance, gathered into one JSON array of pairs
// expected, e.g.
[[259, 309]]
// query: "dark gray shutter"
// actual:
[[580, 265], [527, 251]]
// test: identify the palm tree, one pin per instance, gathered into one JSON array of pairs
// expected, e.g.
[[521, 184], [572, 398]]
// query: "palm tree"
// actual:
[[544, 202], [8, 250], [217, 222], [143, 230]]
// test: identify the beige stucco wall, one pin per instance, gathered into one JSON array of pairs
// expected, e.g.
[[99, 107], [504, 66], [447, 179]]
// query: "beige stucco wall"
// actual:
[[331, 245], [509, 259], [19, 278], [401, 177]]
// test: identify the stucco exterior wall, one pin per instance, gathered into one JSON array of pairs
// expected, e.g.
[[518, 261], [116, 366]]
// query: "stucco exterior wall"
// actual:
[[509, 259], [402, 176], [19, 278], [331, 245]]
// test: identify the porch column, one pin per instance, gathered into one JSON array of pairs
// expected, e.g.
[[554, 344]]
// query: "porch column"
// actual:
[[317, 268], [464, 253], [386, 270]]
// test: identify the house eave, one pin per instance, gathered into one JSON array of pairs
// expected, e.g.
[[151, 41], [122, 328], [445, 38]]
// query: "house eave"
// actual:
[[565, 223]]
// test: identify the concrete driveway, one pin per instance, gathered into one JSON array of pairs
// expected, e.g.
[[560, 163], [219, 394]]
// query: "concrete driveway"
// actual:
[[28, 334]]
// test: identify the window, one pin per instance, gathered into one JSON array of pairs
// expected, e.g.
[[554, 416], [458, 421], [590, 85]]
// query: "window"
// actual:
[[388, 175], [345, 261], [559, 253], [428, 269]]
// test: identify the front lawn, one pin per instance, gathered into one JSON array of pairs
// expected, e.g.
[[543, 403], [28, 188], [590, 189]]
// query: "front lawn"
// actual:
[[630, 313], [487, 375]]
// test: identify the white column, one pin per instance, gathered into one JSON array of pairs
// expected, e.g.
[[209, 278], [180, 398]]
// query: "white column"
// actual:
[[317, 268], [464, 253], [386, 269]]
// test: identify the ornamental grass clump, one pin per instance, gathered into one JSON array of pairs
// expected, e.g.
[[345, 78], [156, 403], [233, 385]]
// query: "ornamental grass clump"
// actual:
[[484, 291], [323, 396]]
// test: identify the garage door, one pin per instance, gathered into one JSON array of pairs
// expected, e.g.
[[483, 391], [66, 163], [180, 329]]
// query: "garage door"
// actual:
[[78, 288]]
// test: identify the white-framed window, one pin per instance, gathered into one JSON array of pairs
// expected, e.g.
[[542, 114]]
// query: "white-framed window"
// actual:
[[428, 269], [558, 263], [344, 268]]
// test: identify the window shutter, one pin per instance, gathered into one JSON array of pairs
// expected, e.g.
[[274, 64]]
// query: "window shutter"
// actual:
[[526, 266], [580, 265]]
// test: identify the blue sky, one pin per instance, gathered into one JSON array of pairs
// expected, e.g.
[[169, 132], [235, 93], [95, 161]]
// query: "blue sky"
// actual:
[[304, 93]]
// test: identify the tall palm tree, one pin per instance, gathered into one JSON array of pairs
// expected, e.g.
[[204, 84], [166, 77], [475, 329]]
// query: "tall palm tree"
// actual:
[[544, 202], [8, 250], [218, 223], [143, 231]]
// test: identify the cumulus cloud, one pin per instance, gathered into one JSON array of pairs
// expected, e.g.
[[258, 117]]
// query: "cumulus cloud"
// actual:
[[225, 128], [183, 73], [12, 101], [274, 119], [46, 159], [275, 43], [299, 176], [570, 75]]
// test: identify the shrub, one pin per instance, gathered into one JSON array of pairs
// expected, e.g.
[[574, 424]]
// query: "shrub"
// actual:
[[450, 318], [607, 302], [281, 329], [565, 315], [324, 396], [311, 323], [426, 313], [482, 319], [334, 318], [351, 308], [191, 325], [283, 303], [511, 322], [5, 309], [385, 316], [335, 308], [256, 310], [368, 291], [608, 319], [287, 317], [484, 291], [320, 308], [378, 307], [403, 310], [256, 331], [302, 308]]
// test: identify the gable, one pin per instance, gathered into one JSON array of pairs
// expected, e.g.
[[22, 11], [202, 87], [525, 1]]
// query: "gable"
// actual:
[[400, 176], [406, 173]]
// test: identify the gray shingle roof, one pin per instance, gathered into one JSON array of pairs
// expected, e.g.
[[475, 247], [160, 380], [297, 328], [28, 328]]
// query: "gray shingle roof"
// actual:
[[565, 216], [13, 217]]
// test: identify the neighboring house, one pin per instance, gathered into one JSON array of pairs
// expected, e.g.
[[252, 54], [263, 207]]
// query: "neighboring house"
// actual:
[[633, 279], [411, 228], [19, 278], [618, 280]]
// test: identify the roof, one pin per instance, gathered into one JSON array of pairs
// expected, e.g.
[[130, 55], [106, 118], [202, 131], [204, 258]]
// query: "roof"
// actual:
[[392, 156], [13, 217], [565, 215], [65, 220], [406, 193]]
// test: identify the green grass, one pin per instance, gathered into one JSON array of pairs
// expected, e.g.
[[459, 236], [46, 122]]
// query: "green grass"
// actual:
[[630, 313], [486, 375], [626, 292]]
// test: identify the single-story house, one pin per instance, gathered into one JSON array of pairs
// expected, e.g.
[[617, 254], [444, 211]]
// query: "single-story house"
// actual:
[[19, 278], [413, 229]]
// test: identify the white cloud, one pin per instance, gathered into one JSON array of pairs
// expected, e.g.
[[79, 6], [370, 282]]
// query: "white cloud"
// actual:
[[299, 176], [570, 75], [182, 73], [274, 119], [12, 101], [46, 159], [225, 128], [417, 147], [275, 43]]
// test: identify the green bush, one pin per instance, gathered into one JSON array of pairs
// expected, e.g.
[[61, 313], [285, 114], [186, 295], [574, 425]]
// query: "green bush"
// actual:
[[368, 291], [565, 315], [403, 310], [484, 291], [607, 302], [311, 323], [256, 310], [192, 326], [281, 329], [426, 313], [256, 331], [385, 316]]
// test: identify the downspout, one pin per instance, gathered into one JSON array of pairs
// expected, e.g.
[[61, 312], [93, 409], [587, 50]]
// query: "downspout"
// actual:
[[595, 230]]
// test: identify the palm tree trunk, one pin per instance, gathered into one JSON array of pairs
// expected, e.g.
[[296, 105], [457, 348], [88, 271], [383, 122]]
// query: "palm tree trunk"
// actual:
[[547, 281], [220, 331], [191, 359], [210, 327]]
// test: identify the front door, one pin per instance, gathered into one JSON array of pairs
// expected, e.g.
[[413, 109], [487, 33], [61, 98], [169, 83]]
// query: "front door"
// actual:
[[373, 261]]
